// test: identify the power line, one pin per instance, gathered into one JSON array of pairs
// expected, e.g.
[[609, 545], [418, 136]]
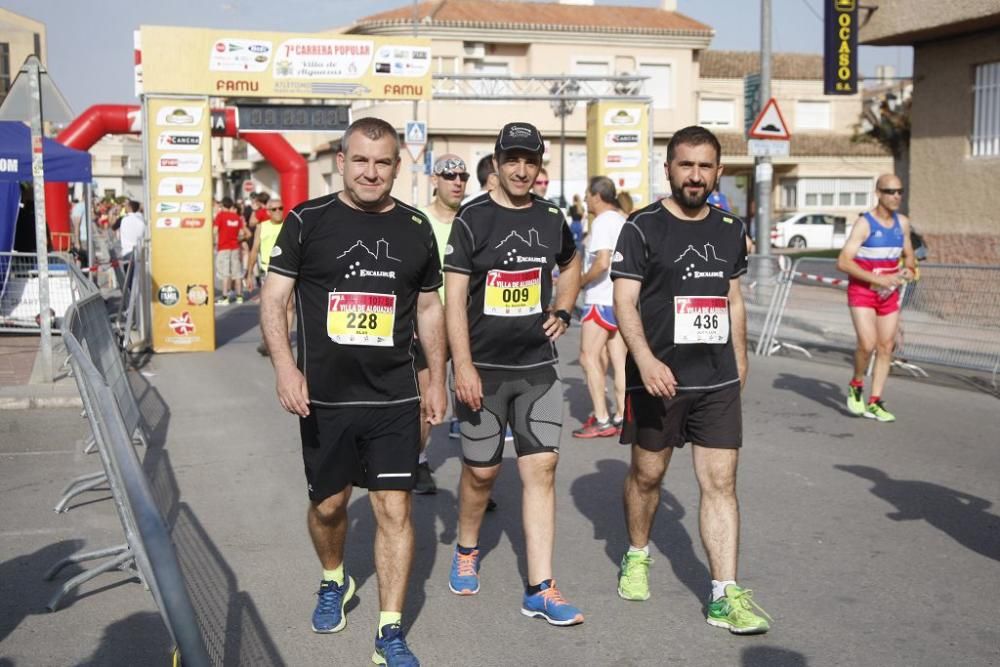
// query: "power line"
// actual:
[[811, 9]]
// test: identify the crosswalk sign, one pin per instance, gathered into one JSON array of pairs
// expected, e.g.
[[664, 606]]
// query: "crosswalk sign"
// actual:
[[770, 124], [416, 133]]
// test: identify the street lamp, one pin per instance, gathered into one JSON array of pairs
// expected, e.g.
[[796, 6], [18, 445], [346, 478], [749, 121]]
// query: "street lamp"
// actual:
[[563, 107]]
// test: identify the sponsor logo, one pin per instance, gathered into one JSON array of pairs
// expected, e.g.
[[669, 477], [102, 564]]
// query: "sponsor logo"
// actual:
[[180, 162], [626, 180], [692, 257], [168, 207], [617, 257], [618, 138], [192, 223], [185, 141], [361, 253], [240, 55], [197, 295], [416, 219], [625, 158], [180, 223], [708, 274], [275, 251], [236, 86], [727, 220], [168, 223], [9, 165], [448, 249], [169, 116], [168, 295], [521, 258], [179, 185], [365, 273], [182, 325], [622, 117]]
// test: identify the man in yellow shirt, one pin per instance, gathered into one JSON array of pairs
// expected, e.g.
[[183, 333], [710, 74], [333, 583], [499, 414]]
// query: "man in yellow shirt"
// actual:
[[265, 234]]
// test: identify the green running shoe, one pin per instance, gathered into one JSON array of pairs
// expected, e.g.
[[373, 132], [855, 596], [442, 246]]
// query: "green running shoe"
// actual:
[[877, 411], [633, 582], [855, 401], [734, 611]]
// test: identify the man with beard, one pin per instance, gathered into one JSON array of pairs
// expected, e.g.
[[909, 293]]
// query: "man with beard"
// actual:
[[501, 331], [677, 298], [366, 271]]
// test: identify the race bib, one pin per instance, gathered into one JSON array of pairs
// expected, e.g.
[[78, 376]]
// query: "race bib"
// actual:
[[361, 318], [513, 293], [701, 319]]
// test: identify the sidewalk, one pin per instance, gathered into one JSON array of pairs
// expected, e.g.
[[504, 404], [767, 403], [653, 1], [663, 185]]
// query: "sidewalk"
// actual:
[[21, 384]]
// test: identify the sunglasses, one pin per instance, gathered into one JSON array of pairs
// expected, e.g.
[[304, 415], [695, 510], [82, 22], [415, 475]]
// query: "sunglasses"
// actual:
[[451, 176], [541, 182], [275, 208], [891, 191]]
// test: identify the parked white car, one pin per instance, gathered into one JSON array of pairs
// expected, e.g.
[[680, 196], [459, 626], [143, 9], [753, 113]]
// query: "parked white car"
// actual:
[[810, 230]]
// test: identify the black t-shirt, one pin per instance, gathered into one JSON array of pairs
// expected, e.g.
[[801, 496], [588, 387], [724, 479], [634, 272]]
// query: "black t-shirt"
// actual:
[[685, 268], [509, 254], [357, 279]]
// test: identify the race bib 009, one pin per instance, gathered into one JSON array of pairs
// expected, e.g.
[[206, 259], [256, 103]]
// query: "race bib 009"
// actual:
[[361, 318], [513, 293], [701, 319]]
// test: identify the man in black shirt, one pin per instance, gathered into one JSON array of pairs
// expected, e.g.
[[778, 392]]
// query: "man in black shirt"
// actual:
[[365, 270], [677, 299], [498, 263]]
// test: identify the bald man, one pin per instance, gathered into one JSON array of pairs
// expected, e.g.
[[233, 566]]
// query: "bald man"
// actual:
[[870, 258]]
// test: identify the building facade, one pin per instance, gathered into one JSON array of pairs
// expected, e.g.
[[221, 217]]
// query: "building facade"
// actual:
[[955, 120], [20, 37]]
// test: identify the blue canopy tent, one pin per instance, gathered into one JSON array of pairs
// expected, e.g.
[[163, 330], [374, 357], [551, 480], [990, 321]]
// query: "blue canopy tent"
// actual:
[[62, 165]]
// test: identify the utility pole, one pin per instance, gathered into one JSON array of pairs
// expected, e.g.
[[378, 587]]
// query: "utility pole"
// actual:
[[33, 69], [763, 169], [416, 108]]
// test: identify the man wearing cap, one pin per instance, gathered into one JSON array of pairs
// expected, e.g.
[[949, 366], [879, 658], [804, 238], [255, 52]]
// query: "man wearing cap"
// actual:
[[498, 281], [449, 177]]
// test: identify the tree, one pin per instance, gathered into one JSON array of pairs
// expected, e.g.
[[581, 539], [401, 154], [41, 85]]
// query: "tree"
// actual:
[[885, 120]]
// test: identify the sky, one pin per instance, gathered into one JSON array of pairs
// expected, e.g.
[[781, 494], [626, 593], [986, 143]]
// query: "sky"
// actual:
[[90, 41]]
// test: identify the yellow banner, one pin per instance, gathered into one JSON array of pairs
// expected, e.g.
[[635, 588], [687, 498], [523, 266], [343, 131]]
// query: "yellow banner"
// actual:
[[236, 63], [179, 163], [618, 146]]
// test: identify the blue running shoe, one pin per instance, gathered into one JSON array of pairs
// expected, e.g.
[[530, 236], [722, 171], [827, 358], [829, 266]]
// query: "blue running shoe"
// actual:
[[549, 604], [391, 648], [509, 435], [464, 577], [329, 614]]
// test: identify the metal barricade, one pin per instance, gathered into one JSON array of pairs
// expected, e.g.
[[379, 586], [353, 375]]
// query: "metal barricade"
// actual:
[[128, 315], [149, 547], [89, 322], [951, 317], [813, 310], [762, 287], [20, 310]]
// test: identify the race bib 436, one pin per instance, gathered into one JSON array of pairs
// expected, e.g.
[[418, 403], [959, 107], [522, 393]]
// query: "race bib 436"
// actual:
[[701, 319], [513, 293], [361, 318]]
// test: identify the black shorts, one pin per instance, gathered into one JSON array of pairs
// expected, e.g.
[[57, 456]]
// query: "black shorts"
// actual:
[[707, 418], [371, 447], [530, 402]]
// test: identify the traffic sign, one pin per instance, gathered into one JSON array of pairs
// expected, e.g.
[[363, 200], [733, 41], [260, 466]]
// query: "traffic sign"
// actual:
[[770, 124], [416, 138]]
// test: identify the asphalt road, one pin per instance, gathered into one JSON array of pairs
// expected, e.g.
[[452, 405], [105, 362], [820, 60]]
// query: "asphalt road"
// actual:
[[869, 544]]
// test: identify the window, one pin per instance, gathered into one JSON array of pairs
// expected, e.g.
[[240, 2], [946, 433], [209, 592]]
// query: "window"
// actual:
[[659, 84], [986, 111], [718, 113], [591, 67], [4, 68], [812, 115], [826, 193]]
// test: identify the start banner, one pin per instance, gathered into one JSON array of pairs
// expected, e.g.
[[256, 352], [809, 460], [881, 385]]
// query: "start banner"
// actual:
[[179, 165], [235, 63]]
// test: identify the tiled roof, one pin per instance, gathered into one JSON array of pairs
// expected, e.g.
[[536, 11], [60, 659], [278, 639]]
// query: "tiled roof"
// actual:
[[514, 14], [809, 145], [737, 64]]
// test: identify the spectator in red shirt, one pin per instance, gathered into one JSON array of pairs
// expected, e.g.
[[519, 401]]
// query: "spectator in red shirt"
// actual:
[[229, 231]]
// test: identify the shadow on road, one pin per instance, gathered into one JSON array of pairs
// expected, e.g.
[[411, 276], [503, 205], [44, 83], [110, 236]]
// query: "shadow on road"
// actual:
[[598, 496], [21, 577], [119, 646], [771, 656], [825, 393], [961, 516], [427, 513], [233, 321]]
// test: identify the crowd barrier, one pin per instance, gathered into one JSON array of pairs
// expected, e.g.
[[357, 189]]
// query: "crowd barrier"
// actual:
[[762, 287], [20, 310], [148, 548], [949, 317]]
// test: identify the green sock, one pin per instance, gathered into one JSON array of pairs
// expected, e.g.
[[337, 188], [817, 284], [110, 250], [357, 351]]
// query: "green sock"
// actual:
[[336, 576], [388, 618]]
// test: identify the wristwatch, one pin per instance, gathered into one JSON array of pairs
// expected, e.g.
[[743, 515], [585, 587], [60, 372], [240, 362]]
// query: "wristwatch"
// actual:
[[564, 316]]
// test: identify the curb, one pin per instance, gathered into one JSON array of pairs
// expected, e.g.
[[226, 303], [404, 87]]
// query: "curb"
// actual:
[[39, 402]]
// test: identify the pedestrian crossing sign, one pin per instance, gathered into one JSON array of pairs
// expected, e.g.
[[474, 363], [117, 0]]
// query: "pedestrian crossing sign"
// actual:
[[416, 133]]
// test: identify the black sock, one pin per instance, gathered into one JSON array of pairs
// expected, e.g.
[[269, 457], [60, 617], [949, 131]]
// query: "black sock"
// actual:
[[532, 590], [466, 551]]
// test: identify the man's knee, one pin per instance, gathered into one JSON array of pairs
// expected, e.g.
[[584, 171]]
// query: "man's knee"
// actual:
[[718, 483], [482, 476], [538, 469], [391, 509], [588, 359], [884, 348], [647, 474], [331, 509]]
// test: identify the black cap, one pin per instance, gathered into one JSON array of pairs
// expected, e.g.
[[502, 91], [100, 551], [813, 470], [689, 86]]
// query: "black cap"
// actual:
[[519, 136]]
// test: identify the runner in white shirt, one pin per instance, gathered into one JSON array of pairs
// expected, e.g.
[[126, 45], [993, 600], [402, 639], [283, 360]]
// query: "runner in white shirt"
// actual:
[[599, 340], [132, 230]]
